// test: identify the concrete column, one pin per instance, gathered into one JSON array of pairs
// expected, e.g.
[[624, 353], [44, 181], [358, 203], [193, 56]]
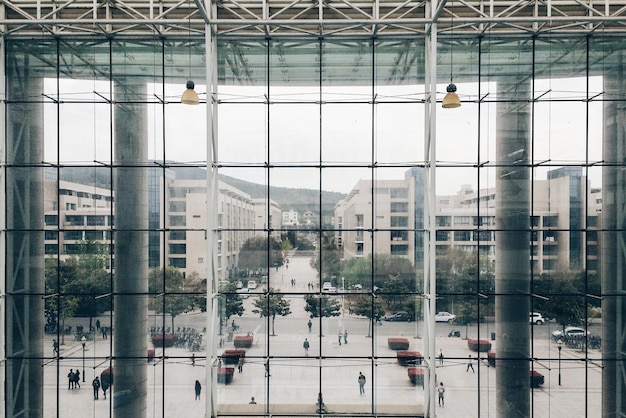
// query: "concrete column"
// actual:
[[612, 245], [130, 185], [512, 248], [24, 280]]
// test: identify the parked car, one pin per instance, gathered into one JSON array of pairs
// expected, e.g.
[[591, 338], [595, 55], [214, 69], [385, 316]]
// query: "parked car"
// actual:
[[252, 284], [569, 332], [398, 316], [536, 318], [244, 292], [445, 317], [326, 286]]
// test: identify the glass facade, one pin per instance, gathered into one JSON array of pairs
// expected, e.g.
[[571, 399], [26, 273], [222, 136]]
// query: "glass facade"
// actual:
[[320, 218]]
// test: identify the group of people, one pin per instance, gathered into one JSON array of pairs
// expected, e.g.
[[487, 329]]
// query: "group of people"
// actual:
[[97, 384], [73, 379]]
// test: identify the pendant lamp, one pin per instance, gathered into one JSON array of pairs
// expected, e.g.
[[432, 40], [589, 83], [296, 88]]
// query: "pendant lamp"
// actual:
[[451, 100], [190, 97]]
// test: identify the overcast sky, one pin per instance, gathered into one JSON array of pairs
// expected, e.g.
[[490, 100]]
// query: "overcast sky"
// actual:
[[293, 134]]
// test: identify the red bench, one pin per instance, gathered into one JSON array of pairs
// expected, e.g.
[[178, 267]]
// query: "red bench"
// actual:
[[398, 343], [416, 375], [232, 356], [225, 375], [243, 341], [407, 358], [536, 379], [479, 345]]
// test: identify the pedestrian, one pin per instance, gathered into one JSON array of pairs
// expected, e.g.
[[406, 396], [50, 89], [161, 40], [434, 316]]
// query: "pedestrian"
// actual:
[[470, 365], [55, 347], [361, 381], [240, 365], [440, 357], [339, 337], [441, 390], [310, 325], [306, 347], [104, 333], [252, 401], [345, 336], [70, 379], [97, 324], [267, 368], [198, 389], [105, 387], [77, 378], [96, 387], [193, 359]]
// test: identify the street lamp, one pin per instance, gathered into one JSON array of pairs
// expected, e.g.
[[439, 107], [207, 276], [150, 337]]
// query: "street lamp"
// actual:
[[83, 341], [343, 307], [559, 345]]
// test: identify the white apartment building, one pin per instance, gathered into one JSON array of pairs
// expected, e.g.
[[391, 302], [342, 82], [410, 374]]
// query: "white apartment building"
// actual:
[[290, 218], [84, 212], [563, 205]]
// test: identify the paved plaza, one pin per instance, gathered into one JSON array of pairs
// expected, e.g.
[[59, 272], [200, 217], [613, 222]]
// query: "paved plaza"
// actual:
[[294, 380]]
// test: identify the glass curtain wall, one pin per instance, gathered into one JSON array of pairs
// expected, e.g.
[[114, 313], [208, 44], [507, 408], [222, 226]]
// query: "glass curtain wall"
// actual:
[[321, 228]]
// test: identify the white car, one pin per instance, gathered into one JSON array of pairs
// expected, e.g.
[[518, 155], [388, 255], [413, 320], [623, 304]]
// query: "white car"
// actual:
[[569, 332], [252, 284], [445, 317], [326, 286], [536, 318], [244, 292]]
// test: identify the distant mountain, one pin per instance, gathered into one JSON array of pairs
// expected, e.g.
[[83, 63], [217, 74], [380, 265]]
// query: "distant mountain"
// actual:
[[288, 198]]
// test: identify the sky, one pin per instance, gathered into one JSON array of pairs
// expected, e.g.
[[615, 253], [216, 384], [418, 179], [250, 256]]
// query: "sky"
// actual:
[[346, 126]]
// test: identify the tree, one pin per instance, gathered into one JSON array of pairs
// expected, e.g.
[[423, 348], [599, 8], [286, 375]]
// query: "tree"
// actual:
[[371, 308], [322, 306], [328, 257], [565, 293], [254, 253], [396, 294], [168, 286], [271, 304], [230, 303]]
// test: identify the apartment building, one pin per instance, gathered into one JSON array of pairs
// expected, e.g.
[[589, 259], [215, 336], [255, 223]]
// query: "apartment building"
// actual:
[[563, 205]]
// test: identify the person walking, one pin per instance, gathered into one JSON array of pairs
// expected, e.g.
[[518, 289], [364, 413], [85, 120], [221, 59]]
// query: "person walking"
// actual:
[[105, 387], [240, 365], [70, 379], [470, 365], [361, 381], [310, 325], [441, 390], [345, 336], [198, 389], [440, 357], [55, 347], [96, 387], [339, 337], [306, 347]]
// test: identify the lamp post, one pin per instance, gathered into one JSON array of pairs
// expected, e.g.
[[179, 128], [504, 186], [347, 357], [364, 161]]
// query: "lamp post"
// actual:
[[343, 323], [83, 341], [559, 345]]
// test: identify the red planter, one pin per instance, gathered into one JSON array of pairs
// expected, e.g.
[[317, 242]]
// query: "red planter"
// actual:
[[398, 343], [536, 379], [225, 375], [416, 375], [164, 340], [243, 341], [232, 356], [150, 355], [479, 345], [409, 358]]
